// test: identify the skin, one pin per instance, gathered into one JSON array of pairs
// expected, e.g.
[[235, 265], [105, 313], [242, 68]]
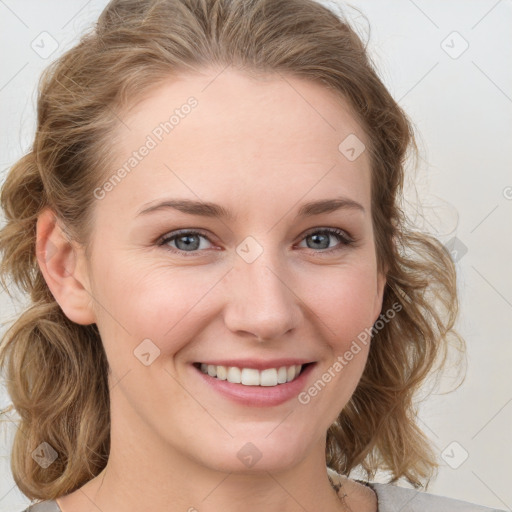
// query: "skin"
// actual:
[[260, 147]]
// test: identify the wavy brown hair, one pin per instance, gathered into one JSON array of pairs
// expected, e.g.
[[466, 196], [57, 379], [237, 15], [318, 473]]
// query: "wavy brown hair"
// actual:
[[57, 370]]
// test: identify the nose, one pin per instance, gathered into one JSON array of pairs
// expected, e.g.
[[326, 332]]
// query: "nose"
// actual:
[[261, 303]]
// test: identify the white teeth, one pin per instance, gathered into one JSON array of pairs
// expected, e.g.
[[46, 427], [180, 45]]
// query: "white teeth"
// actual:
[[251, 376], [281, 375], [269, 377], [222, 372], [234, 375]]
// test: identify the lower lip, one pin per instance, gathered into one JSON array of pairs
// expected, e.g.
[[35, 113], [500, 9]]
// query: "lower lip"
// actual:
[[258, 396]]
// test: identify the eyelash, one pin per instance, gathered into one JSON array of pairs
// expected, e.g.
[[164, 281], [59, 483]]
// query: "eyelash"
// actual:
[[342, 237]]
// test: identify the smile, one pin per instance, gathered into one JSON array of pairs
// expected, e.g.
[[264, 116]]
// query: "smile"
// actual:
[[251, 376], [255, 383]]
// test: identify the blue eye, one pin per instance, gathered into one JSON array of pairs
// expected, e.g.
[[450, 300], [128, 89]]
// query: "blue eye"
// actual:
[[321, 236], [188, 242]]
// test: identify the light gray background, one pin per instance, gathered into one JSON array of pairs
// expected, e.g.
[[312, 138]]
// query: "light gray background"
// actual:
[[461, 105]]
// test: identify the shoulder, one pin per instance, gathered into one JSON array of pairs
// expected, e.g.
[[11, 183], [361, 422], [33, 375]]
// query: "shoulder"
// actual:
[[392, 498], [44, 506]]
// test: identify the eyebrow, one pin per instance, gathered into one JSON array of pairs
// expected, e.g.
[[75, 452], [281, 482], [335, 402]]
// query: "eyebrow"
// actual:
[[207, 209]]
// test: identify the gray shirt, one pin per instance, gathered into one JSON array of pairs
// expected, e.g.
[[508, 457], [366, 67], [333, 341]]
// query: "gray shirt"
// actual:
[[390, 498]]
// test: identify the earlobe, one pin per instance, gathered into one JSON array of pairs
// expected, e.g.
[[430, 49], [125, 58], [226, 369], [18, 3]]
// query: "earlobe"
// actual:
[[58, 261]]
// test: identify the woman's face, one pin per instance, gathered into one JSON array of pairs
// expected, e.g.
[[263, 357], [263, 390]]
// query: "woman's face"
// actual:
[[254, 283]]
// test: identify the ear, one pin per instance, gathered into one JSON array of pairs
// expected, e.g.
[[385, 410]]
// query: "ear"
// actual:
[[63, 268]]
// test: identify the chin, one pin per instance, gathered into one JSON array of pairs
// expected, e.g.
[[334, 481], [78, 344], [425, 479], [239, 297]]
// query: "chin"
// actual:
[[251, 454]]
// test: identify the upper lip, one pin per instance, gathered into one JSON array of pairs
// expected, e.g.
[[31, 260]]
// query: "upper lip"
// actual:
[[257, 364]]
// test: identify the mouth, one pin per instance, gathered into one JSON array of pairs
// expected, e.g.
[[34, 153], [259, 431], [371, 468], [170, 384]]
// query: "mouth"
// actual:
[[253, 382], [268, 377]]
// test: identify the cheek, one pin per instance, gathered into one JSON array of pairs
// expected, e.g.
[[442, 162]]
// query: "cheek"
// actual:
[[161, 304], [343, 306], [343, 300]]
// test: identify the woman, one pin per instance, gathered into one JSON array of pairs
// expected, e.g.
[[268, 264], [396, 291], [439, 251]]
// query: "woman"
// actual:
[[189, 347]]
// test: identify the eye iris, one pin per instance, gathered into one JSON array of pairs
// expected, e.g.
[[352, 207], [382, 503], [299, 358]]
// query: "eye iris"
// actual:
[[318, 237], [188, 243]]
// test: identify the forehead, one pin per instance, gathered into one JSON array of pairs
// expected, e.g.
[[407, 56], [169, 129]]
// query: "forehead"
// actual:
[[250, 135], [242, 103]]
